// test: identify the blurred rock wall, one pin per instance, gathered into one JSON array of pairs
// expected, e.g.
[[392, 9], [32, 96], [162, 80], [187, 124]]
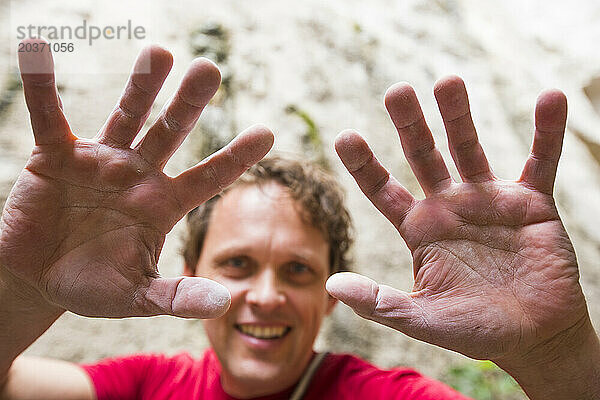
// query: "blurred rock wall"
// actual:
[[315, 68]]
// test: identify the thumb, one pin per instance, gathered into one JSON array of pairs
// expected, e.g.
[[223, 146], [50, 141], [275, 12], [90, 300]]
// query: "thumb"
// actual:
[[187, 297], [392, 307]]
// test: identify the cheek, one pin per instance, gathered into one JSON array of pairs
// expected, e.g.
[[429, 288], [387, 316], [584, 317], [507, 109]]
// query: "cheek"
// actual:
[[311, 305], [214, 329]]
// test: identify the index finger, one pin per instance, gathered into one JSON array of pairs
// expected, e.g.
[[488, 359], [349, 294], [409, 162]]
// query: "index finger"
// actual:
[[201, 182], [197, 87], [37, 72], [382, 189]]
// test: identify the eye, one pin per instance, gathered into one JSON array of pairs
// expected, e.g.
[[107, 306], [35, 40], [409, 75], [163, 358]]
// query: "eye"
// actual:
[[236, 267], [299, 273], [298, 268], [237, 262]]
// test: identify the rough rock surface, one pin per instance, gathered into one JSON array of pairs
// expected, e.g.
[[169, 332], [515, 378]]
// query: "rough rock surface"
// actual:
[[334, 60]]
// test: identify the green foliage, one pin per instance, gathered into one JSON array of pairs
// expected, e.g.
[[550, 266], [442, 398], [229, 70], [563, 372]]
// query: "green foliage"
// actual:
[[312, 143], [483, 380], [211, 40]]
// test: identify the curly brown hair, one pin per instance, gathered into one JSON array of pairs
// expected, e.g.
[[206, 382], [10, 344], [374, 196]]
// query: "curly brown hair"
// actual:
[[317, 192]]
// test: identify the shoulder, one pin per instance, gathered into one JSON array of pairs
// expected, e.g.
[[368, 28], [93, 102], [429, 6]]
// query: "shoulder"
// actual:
[[345, 376], [134, 376], [139, 361], [351, 366]]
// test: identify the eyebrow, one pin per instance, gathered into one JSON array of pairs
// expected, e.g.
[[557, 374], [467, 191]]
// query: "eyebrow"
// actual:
[[232, 249]]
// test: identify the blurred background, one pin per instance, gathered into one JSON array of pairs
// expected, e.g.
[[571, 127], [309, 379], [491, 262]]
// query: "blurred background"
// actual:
[[308, 69]]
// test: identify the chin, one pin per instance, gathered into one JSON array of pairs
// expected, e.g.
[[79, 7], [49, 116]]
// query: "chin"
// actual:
[[252, 369], [260, 377]]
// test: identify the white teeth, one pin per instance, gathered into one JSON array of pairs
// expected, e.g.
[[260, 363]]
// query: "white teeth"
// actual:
[[263, 332]]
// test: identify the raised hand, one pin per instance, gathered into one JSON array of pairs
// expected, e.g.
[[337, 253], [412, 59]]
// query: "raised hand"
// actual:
[[495, 273], [84, 225]]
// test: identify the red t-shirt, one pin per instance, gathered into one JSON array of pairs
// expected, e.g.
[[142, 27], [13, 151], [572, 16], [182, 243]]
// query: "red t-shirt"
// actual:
[[340, 376]]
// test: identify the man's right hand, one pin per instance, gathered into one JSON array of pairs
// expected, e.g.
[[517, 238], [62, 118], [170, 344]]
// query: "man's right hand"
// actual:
[[84, 225]]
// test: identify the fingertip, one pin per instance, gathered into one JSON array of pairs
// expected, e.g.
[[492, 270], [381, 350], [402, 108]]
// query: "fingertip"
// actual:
[[200, 83], [551, 110], [36, 62], [208, 69], [354, 290], [340, 281], [335, 283], [345, 139], [403, 105], [352, 149], [451, 95], [398, 94], [262, 132], [162, 52], [346, 133], [257, 141], [161, 58], [152, 66], [448, 81], [200, 298], [219, 300], [448, 87], [554, 97]]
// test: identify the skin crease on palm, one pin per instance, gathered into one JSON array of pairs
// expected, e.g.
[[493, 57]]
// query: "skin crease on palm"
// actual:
[[492, 262], [77, 197], [495, 272]]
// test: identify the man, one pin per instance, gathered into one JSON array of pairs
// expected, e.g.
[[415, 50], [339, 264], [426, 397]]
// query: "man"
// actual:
[[272, 239], [495, 273]]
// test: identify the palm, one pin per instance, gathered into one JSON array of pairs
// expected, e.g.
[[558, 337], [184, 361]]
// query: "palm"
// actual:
[[101, 232], [495, 272], [496, 262], [86, 220]]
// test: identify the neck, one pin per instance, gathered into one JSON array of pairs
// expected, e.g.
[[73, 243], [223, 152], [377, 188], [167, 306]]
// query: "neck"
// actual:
[[251, 385]]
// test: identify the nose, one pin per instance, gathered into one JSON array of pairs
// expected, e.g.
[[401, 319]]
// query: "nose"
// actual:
[[264, 292]]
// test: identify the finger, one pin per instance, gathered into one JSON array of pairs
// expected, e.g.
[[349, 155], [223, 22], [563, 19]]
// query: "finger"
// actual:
[[467, 153], [188, 297], [201, 182], [45, 108], [195, 91], [380, 303], [390, 198], [419, 148], [550, 120], [149, 73]]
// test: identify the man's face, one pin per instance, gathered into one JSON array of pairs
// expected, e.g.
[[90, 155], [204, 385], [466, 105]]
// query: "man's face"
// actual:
[[275, 266]]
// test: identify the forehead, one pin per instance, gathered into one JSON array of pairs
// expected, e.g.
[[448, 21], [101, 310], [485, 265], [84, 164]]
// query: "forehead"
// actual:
[[269, 199], [251, 216]]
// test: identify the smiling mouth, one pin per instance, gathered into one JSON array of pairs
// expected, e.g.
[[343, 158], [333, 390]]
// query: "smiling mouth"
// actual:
[[263, 332]]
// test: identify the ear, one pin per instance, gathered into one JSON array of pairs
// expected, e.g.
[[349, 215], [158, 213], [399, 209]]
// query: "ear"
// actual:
[[188, 271], [331, 302]]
